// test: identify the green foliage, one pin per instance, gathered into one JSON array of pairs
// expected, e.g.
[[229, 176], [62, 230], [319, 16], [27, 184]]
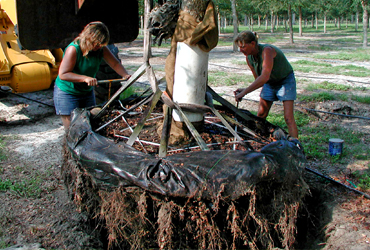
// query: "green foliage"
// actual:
[[359, 54], [223, 42], [310, 63], [360, 154], [277, 119], [328, 96], [30, 185], [320, 47], [327, 85], [28, 188], [347, 70], [315, 139], [361, 99], [127, 93], [2, 148], [3, 244], [239, 62], [221, 78], [270, 39], [308, 66], [301, 119], [361, 88], [363, 178], [342, 97], [164, 44], [5, 185], [318, 97]]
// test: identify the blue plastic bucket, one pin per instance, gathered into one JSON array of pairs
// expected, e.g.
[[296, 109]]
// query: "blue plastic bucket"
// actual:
[[335, 146]]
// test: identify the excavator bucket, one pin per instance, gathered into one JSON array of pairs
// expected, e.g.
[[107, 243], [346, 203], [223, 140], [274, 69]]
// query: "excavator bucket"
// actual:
[[55, 23]]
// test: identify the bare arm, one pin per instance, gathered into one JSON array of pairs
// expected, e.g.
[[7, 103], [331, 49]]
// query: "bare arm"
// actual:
[[66, 69], [268, 55], [115, 64]]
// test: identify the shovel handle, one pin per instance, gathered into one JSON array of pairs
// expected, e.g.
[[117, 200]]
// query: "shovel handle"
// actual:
[[112, 80]]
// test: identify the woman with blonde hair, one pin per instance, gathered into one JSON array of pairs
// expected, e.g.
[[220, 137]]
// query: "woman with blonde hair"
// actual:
[[81, 60], [273, 73]]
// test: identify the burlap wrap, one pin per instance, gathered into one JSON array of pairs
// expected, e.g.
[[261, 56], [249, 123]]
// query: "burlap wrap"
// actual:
[[188, 30]]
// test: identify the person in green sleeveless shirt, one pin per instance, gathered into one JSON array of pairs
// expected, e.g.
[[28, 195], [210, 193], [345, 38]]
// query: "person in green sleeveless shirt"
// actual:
[[273, 73], [76, 77]]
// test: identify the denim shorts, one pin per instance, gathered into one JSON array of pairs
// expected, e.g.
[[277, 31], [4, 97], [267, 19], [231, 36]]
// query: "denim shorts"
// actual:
[[65, 102], [285, 92]]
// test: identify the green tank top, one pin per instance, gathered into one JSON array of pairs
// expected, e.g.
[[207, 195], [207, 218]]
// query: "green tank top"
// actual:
[[88, 66], [280, 69]]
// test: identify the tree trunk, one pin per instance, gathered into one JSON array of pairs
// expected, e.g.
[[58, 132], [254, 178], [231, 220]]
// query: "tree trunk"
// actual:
[[235, 23], [148, 4], [266, 22], [364, 21], [285, 23], [219, 21], [317, 21], [300, 20], [223, 24], [339, 23], [251, 22], [325, 23], [272, 21], [259, 21], [142, 24], [312, 16], [290, 24], [187, 67]]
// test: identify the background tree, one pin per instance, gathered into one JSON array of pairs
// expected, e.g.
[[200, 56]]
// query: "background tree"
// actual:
[[235, 23], [302, 7], [224, 10], [365, 6], [290, 16], [248, 10], [324, 7]]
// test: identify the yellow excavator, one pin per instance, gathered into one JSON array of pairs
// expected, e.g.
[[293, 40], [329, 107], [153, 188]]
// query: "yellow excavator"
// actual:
[[33, 33], [21, 69]]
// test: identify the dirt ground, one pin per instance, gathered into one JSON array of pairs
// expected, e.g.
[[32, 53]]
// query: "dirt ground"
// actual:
[[42, 217]]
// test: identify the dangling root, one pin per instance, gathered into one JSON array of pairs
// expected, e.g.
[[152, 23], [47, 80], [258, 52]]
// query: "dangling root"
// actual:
[[263, 218]]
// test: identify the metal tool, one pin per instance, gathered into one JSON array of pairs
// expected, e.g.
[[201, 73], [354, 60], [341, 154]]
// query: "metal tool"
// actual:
[[236, 127], [129, 82], [111, 81]]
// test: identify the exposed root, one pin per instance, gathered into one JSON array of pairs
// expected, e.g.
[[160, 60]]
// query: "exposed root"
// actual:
[[124, 218], [264, 218], [165, 225]]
